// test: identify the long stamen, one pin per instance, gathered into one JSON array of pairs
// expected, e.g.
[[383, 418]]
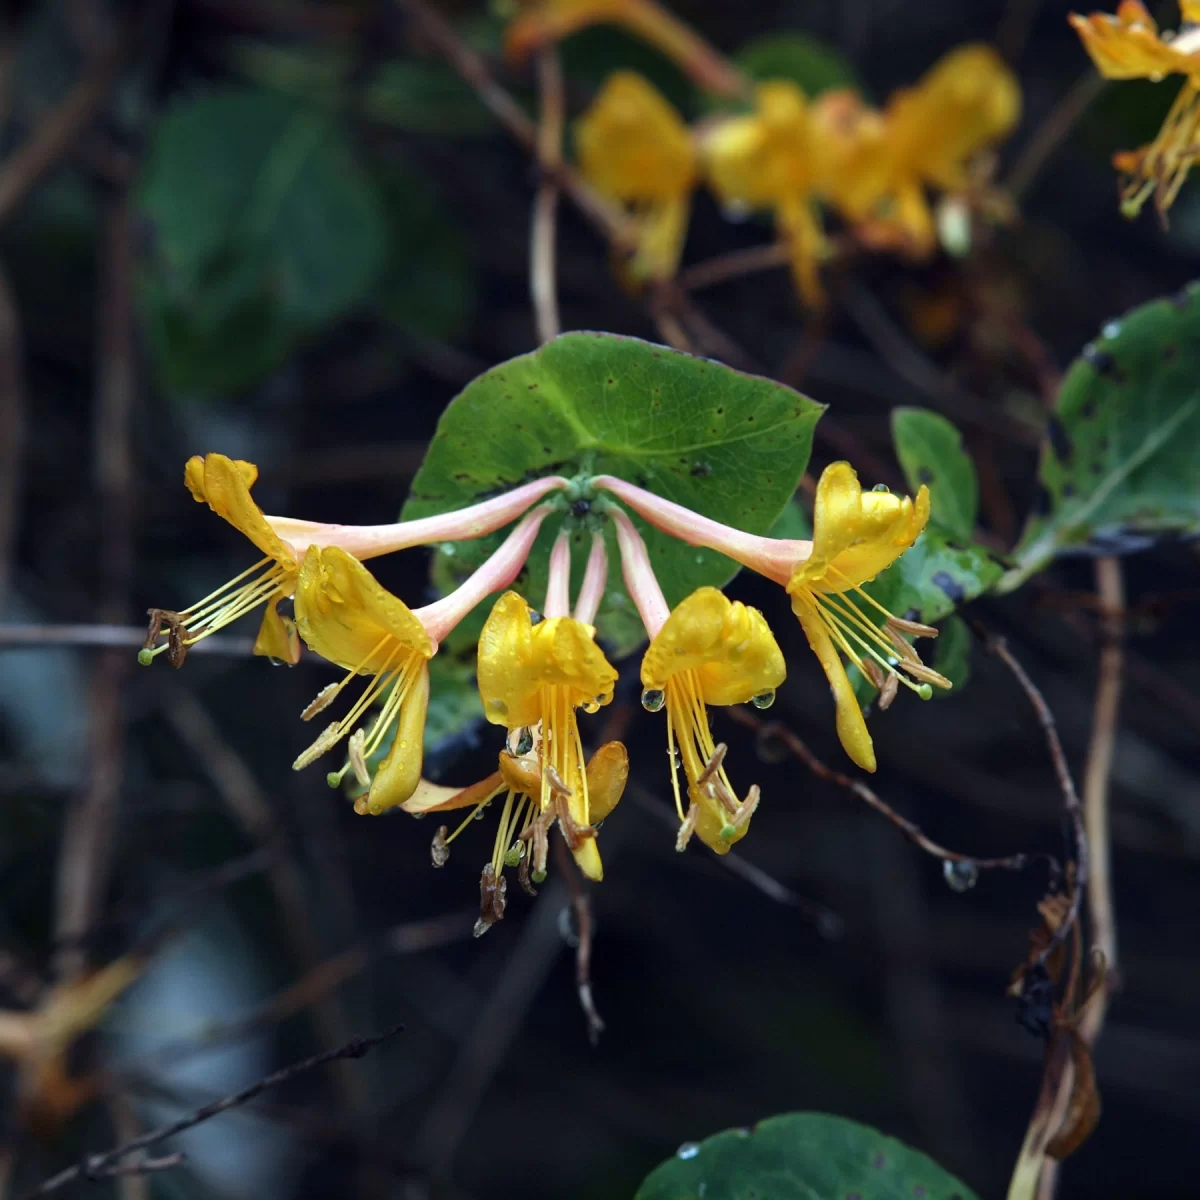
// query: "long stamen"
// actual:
[[262, 562]]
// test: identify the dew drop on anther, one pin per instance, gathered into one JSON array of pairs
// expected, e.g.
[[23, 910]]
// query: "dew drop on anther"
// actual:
[[961, 876]]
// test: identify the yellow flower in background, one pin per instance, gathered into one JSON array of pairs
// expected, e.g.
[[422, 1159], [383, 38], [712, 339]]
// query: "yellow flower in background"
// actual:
[[521, 836], [542, 22], [224, 485], [710, 651], [769, 160], [347, 617], [634, 147], [535, 677], [1130, 46], [926, 136], [856, 535]]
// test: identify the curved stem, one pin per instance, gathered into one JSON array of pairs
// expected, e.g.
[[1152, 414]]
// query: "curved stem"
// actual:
[[558, 583], [595, 579], [640, 581]]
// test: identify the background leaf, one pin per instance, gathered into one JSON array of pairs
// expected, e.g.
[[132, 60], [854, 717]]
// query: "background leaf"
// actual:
[[729, 445], [801, 1156], [264, 227], [807, 61], [1119, 467], [931, 452]]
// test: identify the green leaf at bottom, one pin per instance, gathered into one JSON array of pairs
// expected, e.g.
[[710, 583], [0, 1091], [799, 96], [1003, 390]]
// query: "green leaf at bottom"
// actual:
[[801, 1156]]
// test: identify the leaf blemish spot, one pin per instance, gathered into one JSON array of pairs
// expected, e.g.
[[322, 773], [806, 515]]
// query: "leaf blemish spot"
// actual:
[[1060, 440], [925, 475], [954, 593]]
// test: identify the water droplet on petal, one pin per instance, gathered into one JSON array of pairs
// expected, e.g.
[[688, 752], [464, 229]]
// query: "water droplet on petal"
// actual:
[[524, 741], [881, 487], [961, 876], [764, 699], [653, 699], [688, 1150]]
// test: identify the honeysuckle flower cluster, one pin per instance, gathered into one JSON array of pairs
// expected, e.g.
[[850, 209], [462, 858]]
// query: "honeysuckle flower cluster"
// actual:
[[795, 157], [1129, 45], [539, 670]]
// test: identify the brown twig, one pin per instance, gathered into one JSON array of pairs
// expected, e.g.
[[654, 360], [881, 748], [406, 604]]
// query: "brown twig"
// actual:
[[543, 283], [1074, 810], [57, 131], [87, 835], [89, 1166], [14, 405], [733, 265], [769, 731], [144, 1166], [1053, 131], [112, 637], [474, 71], [582, 904]]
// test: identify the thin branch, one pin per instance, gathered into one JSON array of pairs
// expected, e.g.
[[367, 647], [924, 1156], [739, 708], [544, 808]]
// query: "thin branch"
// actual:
[[14, 406], [145, 1166], [17, 637], [776, 732], [1074, 810], [582, 905], [89, 1167], [474, 71], [85, 852], [1053, 131], [543, 284], [734, 265], [56, 132]]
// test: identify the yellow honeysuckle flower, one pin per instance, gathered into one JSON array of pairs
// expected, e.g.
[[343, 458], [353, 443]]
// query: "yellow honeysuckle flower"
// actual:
[[634, 147], [349, 618], [534, 677], [1130, 46], [521, 838], [856, 535], [224, 485], [541, 22], [769, 160], [926, 136], [710, 650]]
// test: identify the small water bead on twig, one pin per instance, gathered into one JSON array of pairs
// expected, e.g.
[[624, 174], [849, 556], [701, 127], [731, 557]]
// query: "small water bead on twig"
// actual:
[[961, 874]]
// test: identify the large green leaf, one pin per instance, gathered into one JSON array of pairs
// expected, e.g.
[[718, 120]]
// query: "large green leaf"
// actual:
[[801, 1156], [264, 227], [931, 452], [729, 445], [814, 65], [1120, 467]]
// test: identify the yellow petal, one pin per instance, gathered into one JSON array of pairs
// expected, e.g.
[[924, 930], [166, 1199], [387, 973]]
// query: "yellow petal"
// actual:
[[224, 485], [346, 616], [712, 821], [633, 145], [660, 232], [851, 727], [607, 774], [277, 637], [800, 228], [399, 774], [587, 859], [517, 659], [729, 645], [856, 534], [1128, 45]]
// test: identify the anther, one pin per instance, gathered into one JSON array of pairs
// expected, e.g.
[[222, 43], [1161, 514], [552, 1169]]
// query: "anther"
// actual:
[[687, 828], [439, 852], [913, 627], [887, 693], [713, 765], [320, 701], [492, 890], [326, 741], [356, 752], [555, 781]]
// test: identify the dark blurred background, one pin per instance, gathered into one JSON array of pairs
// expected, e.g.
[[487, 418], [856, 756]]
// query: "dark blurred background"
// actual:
[[285, 231]]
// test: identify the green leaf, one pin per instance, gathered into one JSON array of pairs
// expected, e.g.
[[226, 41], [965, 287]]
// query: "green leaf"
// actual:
[[952, 655], [805, 60], [729, 445], [793, 523], [931, 452], [801, 1156], [425, 97], [1119, 467], [264, 227]]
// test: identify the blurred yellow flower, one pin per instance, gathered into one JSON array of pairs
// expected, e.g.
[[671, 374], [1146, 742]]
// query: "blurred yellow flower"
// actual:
[[541, 22], [710, 651], [224, 485], [534, 677], [634, 147], [769, 159], [926, 137], [347, 617], [856, 535], [521, 837], [1130, 46]]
